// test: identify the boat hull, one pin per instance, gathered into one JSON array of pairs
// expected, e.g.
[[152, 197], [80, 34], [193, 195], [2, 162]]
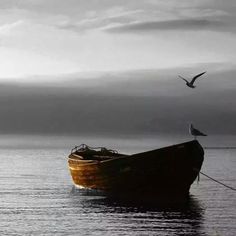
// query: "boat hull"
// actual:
[[168, 171]]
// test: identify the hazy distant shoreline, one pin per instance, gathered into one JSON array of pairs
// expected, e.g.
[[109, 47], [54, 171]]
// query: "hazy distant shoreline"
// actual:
[[126, 143]]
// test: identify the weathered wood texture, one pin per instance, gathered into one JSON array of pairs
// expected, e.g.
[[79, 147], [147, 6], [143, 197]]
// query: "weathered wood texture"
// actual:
[[169, 170]]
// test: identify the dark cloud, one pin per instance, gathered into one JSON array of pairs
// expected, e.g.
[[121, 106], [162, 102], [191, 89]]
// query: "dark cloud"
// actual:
[[149, 104], [182, 24]]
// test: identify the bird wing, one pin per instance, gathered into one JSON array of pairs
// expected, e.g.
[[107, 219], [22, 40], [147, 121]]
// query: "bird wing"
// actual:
[[196, 76], [198, 132], [183, 78]]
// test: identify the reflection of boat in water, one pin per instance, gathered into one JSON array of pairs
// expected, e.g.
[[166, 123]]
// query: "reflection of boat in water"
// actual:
[[166, 172]]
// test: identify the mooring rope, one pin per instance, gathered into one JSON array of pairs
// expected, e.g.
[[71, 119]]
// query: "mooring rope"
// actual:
[[227, 186]]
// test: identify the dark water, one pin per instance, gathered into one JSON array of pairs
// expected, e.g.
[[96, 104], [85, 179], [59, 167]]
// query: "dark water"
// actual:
[[37, 198]]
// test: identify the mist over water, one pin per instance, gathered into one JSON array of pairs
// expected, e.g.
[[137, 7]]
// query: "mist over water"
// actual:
[[123, 143], [134, 103], [40, 124]]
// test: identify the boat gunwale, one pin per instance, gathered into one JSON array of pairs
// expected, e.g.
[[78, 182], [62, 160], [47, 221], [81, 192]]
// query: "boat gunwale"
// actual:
[[124, 156], [90, 161]]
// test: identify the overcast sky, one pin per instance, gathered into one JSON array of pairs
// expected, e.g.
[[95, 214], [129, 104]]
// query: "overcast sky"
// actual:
[[51, 37], [112, 66]]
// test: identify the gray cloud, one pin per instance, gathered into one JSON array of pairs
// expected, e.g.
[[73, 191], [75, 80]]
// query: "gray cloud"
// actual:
[[151, 15], [181, 24], [153, 102], [127, 16], [96, 22]]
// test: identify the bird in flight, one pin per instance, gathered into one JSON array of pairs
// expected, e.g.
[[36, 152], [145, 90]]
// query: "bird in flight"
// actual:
[[190, 83], [195, 132]]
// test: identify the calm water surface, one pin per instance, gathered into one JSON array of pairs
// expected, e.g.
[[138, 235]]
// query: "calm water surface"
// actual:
[[38, 198]]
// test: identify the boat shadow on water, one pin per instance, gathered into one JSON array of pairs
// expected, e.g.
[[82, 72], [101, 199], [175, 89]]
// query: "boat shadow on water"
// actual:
[[185, 218], [99, 197]]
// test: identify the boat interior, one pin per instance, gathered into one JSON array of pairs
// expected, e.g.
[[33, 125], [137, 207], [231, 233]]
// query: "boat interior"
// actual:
[[85, 152]]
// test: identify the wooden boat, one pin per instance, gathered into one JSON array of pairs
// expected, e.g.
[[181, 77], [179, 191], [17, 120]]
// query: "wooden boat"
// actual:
[[167, 171]]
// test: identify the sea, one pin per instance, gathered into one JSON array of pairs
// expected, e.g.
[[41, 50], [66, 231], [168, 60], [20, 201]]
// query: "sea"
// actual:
[[37, 196]]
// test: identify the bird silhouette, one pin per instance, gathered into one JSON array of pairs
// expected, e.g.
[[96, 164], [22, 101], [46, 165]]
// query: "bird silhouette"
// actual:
[[195, 132], [190, 83]]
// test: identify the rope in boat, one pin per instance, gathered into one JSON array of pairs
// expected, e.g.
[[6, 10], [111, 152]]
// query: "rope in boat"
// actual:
[[227, 186], [85, 147]]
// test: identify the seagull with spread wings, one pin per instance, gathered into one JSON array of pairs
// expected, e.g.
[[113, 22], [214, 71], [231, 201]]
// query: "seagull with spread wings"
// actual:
[[190, 83]]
